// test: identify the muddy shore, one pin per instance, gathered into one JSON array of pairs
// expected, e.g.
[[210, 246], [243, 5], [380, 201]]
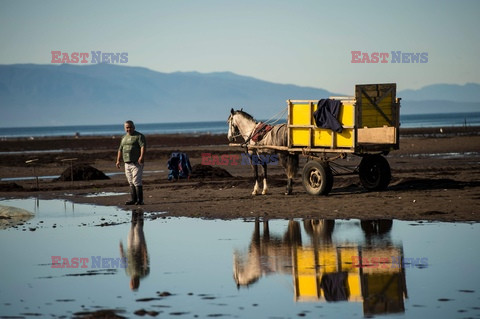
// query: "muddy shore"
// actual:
[[435, 176]]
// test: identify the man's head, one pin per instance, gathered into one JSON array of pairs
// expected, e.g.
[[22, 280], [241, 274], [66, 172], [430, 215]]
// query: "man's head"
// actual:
[[129, 127]]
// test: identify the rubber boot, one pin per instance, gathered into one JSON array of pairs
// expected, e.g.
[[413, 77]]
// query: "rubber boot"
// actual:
[[139, 195], [133, 194]]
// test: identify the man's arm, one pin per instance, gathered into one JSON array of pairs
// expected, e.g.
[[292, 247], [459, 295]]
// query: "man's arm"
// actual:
[[142, 153], [119, 156]]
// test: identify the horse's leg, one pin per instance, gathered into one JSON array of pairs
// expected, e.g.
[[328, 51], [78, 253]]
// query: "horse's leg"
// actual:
[[256, 188], [265, 186], [266, 230], [289, 186], [291, 168]]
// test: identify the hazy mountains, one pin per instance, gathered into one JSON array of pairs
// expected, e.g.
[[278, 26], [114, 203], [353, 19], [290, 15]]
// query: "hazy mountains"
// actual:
[[37, 95], [441, 98], [102, 93]]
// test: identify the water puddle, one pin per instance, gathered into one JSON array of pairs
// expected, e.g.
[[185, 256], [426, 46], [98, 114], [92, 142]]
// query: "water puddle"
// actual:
[[48, 177], [27, 178], [33, 152], [450, 155], [145, 264], [99, 194]]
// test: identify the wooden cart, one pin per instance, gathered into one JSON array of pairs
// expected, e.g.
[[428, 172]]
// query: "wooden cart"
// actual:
[[370, 122]]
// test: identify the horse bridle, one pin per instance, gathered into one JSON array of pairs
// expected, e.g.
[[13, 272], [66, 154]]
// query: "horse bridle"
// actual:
[[236, 131]]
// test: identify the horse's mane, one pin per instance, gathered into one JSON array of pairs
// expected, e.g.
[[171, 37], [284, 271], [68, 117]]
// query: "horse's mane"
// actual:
[[245, 114]]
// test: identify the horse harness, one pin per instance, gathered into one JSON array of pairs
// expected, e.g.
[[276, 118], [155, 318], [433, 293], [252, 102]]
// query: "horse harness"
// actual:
[[260, 131]]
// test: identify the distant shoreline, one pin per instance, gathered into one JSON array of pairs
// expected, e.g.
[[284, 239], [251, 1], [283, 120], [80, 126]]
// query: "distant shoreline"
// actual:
[[410, 131], [440, 131], [454, 122]]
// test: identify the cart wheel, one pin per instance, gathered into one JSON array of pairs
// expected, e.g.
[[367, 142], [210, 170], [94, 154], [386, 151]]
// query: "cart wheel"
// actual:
[[374, 172], [317, 178]]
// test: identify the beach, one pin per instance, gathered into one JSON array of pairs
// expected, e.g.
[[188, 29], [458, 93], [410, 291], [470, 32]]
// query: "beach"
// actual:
[[435, 176], [205, 247]]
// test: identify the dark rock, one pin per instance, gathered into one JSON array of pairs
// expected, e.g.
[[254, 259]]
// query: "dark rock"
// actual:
[[81, 172], [10, 187], [207, 171]]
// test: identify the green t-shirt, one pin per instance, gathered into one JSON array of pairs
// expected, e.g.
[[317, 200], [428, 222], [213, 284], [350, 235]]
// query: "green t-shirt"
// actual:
[[130, 146]]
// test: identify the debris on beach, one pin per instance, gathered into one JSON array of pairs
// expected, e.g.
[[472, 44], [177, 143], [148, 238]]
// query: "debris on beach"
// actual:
[[81, 172], [10, 187], [102, 313], [207, 171]]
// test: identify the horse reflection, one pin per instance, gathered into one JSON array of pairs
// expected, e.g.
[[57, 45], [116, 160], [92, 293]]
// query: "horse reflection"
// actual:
[[136, 253], [325, 270], [266, 254], [269, 254]]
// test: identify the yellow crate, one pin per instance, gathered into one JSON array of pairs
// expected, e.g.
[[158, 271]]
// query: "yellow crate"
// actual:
[[348, 256], [370, 122], [346, 138], [306, 275], [301, 136], [304, 132], [374, 99], [327, 259], [347, 114], [322, 137], [301, 114]]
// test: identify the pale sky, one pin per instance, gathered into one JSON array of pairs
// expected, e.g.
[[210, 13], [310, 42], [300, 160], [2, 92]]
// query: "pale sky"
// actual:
[[307, 43]]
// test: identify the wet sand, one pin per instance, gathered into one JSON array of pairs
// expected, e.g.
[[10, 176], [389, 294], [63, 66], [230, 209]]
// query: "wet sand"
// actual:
[[435, 176]]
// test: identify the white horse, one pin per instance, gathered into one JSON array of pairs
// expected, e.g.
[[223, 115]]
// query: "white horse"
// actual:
[[256, 133]]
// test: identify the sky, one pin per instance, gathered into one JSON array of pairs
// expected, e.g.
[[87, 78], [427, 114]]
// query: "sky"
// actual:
[[301, 42]]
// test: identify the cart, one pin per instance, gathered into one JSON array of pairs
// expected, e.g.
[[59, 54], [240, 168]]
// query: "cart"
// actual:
[[370, 122]]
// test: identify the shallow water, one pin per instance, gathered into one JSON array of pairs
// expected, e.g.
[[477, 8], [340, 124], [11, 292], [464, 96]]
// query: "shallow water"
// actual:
[[215, 268], [44, 177]]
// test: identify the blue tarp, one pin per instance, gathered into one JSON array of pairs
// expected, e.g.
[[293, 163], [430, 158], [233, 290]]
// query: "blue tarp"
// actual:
[[178, 166]]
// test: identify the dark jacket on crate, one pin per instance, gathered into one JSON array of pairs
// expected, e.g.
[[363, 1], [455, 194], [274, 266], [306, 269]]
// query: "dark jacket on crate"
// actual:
[[326, 115]]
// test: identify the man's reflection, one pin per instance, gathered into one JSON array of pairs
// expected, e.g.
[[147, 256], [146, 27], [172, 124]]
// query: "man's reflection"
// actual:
[[136, 254]]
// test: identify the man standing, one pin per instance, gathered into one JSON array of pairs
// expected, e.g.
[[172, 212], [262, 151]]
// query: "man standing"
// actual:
[[132, 147]]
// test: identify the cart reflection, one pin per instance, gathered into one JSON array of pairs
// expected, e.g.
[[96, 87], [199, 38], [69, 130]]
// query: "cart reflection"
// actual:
[[323, 269]]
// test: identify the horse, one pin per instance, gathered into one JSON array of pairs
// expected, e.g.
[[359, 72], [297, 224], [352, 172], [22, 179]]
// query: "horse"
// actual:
[[255, 133]]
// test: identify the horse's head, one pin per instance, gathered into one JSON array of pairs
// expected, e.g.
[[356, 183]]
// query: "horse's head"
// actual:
[[240, 123], [233, 130]]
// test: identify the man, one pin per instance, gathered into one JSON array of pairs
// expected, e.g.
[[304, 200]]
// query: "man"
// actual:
[[132, 149]]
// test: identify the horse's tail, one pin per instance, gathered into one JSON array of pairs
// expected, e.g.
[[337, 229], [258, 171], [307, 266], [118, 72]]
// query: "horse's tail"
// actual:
[[291, 163]]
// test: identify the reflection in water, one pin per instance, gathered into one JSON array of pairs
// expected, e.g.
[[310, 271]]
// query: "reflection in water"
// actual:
[[322, 269], [13, 216], [136, 254]]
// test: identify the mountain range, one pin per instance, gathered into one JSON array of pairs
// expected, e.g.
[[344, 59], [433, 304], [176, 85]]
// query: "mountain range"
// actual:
[[39, 95]]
